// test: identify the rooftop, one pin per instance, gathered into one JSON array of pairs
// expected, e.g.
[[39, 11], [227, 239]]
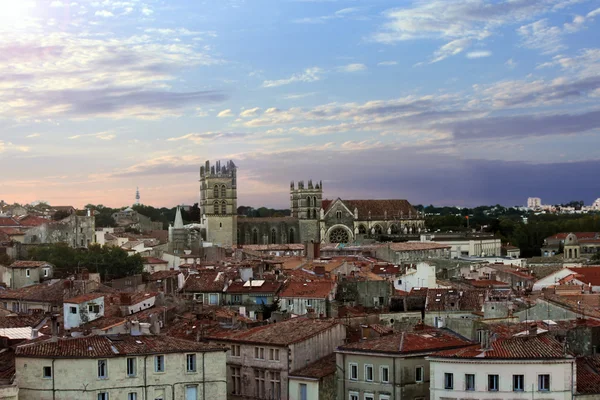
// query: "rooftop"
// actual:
[[543, 346], [319, 369], [29, 264], [110, 346], [423, 341], [154, 260], [84, 298], [205, 281], [310, 290], [283, 333]]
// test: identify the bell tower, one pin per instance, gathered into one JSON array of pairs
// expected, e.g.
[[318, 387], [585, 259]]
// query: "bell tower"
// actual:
[[218, 203]]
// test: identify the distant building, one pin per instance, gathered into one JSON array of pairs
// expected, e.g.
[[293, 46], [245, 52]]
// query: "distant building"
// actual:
[[26, 273], [470, 244], [82, 309], [534, 202], [75, 230]]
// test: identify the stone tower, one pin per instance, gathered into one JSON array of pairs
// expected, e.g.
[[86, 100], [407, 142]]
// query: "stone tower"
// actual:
[[305, 204], [218, 203]]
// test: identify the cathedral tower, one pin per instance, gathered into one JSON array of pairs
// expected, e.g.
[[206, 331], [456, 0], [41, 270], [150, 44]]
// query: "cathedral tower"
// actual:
[[305, 204], [218, 203]]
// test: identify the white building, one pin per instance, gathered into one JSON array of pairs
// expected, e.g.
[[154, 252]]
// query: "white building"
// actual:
[[534, 202], [473, 245], [82, 309], [524, 367], [120, 367], [421, 275], [300, 297]]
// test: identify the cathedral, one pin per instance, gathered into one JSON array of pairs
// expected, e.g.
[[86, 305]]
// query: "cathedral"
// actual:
[[312, 217]]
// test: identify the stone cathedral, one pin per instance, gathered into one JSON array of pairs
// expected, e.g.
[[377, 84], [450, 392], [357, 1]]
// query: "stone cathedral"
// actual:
[[312, 217]]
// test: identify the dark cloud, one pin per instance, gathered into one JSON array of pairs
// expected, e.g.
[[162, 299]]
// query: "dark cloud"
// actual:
[[576, 89], [524, 125]]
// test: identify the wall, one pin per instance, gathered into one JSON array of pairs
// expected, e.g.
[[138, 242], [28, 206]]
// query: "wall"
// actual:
[[9, 392], [299, 305], [312, 388], [545, 310], [78, 379], [316, 347], [83, 314], [76, 231], [561, 374], [422, 276], [19, 277], [221, 230]]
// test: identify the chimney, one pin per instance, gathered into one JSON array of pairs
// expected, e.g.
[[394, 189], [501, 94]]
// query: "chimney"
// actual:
[[533, 330], [34, 333], [54, 328], [419, 326], [125, 299]]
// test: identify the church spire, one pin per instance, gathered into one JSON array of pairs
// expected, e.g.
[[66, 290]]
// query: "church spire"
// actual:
[[178, 219]]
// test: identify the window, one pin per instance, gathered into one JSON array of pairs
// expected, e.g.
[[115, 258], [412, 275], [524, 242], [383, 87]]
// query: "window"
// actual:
[[338, 214], [259, 353], [275, 385], [191, 392], [544, 383], [493, 383], [48, 372], [236, 380], [46, 272], [290, 303], [191, 363], [235, 350], [448, 381], [159, 363], [291, 236], [103, 396], [368, 372], [259, 383], [469, 381], [27, 273], [236, 298], [353, 396], [223, 191], [132, 396], [216, 192], [369, 396], [273, 236], [94, 308], [216, 208], [159, 394], [518, 383], [309, 303], [213, 299], [384, 374], [130, 366], [224, 208], [274, 354], [384, 397], [102, 369], [303, 395], [353, 371], [419, 374]]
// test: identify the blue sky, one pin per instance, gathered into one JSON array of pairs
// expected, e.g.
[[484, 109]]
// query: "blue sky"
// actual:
[[445, 102]]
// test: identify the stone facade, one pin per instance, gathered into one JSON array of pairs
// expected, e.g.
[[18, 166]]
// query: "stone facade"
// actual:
[[312, 219], [75, 230]]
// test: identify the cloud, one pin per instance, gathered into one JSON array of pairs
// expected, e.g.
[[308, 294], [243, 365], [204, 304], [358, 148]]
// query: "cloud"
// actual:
[[459, 23], [594, 13], [57, 3], [510, 63], [10, 147], [104, 14], [251, 112], [294, 96], [539, 35], [479, 54], [339, 14], [107, 135], [209, 137], [387, 63], [308, 75], [33, 135], [225, 114], [352, 68], [147, 11]]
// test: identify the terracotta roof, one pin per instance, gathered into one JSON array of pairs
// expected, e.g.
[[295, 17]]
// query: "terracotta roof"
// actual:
[[283, 333], [267, 287], [588, 275], [205, 281], [160, 275], [84, 298], [43, 292], [29, 264], [543, 346], [154, 260], [424, 341], [7, 363], [588, 375], [20, 321], [309, 290], [487, 283], [319, 369], [377, 208], [580, 235], [110, 346], [9, 221], [32, 220]]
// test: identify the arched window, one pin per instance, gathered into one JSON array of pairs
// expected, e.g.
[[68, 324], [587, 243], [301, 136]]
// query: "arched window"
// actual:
[[292, 235], [254, 236], [339, 235], [378, 230], [224, 208], [216, 192], [273, 236], [315, 201], [223, 191], [394, 229], [216, 208], [362, 229]]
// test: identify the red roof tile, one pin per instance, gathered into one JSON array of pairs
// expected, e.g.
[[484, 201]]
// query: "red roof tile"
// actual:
[[319, 369], [160, 275], [110, 346], [543, 346], [424, 341], [310, 290], [283, 333], [377, 208], [205, 281], [154, 260], [267, 287], [588, 375], [84, 298], [29, 264]]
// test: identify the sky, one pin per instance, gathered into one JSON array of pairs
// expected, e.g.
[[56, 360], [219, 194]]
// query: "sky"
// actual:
[[436, 101]]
